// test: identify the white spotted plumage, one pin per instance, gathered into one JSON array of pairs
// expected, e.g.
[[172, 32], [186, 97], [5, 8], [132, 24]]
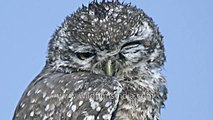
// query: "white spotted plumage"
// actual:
[[104, 62]]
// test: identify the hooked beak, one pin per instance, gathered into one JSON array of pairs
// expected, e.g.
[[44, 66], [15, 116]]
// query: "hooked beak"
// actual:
[[109, 68]]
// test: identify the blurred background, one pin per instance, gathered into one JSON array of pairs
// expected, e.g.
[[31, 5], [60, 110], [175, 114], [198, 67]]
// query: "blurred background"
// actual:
[[27, 26]]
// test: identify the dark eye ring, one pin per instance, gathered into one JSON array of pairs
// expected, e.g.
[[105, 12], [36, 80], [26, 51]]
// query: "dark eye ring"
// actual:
[[84, 55]]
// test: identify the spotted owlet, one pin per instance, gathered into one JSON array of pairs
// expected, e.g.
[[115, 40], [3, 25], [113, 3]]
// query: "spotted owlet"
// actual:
[[103, 63]]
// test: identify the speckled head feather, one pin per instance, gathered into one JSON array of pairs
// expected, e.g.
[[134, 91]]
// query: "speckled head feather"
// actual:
[[106, 25]]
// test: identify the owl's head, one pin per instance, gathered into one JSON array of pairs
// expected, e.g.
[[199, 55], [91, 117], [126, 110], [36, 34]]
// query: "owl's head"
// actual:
[[109, 38]]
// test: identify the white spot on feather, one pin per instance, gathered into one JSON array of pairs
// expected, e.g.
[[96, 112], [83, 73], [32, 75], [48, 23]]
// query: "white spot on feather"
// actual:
[[69, 114], [32, 113], [33, 100], [93, 104], [52, 92], [98, 108], [107, 116], [89, 117], [28, 93], [37, 91], [47, 107], [22, 105], [80, 103], [73, 108], [108, 104], [89, 89]]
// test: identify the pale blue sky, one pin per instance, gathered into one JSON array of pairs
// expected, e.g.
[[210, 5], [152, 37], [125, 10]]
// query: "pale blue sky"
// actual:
[[187, 25]]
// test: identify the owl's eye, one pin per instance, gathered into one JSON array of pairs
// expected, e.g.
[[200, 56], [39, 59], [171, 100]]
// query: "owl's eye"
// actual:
[[132, 51], [130, 44], [85, 55]]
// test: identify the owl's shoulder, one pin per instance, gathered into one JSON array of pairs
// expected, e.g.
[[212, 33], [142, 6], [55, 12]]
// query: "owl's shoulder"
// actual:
[[76, 96]]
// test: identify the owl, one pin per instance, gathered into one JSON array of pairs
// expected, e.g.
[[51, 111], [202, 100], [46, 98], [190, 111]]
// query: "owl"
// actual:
[[104, 63]]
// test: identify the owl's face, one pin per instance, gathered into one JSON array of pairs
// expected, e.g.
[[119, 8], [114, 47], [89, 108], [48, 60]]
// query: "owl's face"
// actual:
[[107, 38]]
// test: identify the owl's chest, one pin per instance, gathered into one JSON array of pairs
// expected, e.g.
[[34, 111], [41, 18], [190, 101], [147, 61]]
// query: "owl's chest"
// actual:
[[139, 101]]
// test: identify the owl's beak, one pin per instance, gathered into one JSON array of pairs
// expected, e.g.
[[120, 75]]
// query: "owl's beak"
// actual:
[[109, 68]]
